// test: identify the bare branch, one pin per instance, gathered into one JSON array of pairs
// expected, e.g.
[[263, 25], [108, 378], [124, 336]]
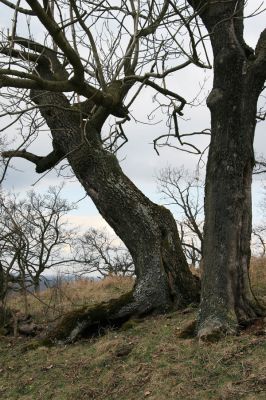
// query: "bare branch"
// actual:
[[92, 43], [42, 163], [60, 39], [260, 58], [19, 9]]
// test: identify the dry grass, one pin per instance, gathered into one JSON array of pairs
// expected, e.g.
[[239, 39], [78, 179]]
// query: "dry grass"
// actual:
[[258, 278], [54, 302], [145, 360]]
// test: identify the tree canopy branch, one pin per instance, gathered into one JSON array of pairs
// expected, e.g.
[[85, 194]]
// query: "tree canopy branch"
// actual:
[[149, 30], [58, 36], [42, 163], [22, 55], [17, 8], [260, 54]]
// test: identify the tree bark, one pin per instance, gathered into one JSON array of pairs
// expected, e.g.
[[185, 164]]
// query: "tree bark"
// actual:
[[163, 278], [227, 299]]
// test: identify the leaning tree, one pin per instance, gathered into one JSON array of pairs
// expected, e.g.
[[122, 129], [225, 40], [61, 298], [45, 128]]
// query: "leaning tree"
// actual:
[[239, 79], [93, 58]]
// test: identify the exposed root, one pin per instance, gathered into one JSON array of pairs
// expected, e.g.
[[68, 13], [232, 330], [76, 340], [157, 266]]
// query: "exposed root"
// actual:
[[214, 329], [189, 330], [93, 320]]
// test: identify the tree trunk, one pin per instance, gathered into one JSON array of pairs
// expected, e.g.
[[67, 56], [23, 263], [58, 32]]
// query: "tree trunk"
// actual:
[[163, 278], [3, 285], [148, 230], [24, 292], [227, 298], [37, 285]]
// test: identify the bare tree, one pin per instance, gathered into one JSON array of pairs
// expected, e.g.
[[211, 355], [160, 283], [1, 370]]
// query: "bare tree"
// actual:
[[184, 192], [259, 230], [259, 240], [227, 299], [98, 253], [7, 257], [34, 236], [94, 55]]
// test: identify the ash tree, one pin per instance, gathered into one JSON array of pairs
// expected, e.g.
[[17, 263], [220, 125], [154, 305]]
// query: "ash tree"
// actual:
[[227, 299], [94, 60]]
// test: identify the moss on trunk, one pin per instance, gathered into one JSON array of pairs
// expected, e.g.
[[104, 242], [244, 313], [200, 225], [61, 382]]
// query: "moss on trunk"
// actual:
[[93, 320]]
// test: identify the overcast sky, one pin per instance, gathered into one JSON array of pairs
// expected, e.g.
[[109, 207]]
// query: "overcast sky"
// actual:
[[138, 158]]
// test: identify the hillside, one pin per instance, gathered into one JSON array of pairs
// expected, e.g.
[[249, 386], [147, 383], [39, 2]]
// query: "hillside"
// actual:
[[148, 359]]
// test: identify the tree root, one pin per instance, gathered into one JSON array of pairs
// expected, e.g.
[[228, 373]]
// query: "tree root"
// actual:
[[218, 326], [93, 320], [214, 330]]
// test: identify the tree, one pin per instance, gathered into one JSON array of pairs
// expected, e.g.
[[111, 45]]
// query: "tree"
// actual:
[[7, 257], [98, 253], [33, 236], [259, 242], [184, 191], [258, 231], [239, 77], [75, 81]]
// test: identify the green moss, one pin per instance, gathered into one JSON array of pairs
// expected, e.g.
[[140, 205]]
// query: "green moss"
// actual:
[[33, 344], [95, 317], [130, 324]]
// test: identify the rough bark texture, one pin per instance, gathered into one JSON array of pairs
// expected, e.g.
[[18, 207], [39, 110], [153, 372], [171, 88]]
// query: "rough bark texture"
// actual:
[[227, 298], [148, 230]]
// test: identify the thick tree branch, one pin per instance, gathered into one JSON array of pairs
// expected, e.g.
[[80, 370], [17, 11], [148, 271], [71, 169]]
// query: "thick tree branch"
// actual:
[[59, 38], [47, 55], [19, 9], [95, 95], [260, 57], [18, 73], [21, 154], [35, 82], [32, 45], [22, 55], [42, 163]]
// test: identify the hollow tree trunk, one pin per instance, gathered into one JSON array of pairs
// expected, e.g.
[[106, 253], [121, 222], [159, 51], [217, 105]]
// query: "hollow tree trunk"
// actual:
[[227, 298], [163, 279]]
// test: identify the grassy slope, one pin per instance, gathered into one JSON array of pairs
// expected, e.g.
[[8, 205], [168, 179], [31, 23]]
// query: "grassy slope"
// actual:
[[148, 360]]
